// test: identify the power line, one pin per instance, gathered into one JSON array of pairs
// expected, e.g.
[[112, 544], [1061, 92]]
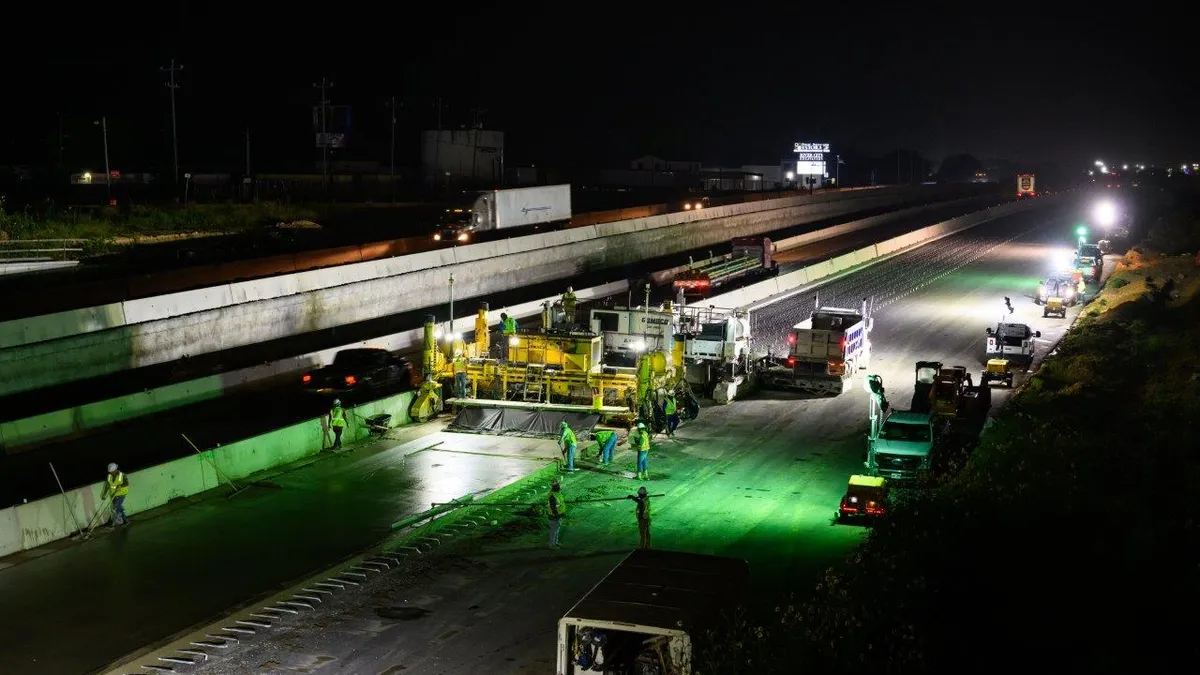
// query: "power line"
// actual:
[[173, 85]]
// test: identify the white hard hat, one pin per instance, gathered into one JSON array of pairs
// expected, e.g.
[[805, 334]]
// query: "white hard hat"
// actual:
[[641, 425], [337, 401], [112, 468], [570, 290]]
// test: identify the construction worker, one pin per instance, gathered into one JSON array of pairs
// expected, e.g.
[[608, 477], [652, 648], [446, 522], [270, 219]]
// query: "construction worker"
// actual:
[[606, 444], [460, 375], [643, 516], [568, 443], [337, 422], [556, 509], [671, 410], [641, 441], [117, 485], [568, 304], [508, 325]]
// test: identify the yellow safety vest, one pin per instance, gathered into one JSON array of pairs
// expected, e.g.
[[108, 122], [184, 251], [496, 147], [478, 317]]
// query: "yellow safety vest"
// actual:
[[671, 406], [337, 417], [114, 485], [568, 298], [643, 507], [568, 437], [643, 441], [510, 326], [558, 505], [460, 365]]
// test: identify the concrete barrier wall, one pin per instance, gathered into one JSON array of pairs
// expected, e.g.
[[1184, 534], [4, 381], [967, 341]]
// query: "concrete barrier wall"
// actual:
[[23, 434], [45, 520], [276, 307], [75, 322], [772, 290]]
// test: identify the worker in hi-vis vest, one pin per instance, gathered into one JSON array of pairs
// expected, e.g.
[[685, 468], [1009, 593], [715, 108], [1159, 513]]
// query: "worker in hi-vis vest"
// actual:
[[337, 422], [568, 303], [568, 443], [556, 509], [117, 485], [508, 325], [671, 410], [641, 441]]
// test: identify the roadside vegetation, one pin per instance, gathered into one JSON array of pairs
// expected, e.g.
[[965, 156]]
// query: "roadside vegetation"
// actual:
[[1070, 539], [138, 224]]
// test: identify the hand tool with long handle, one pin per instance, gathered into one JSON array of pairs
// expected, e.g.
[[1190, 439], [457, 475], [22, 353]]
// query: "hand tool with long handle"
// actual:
[[66, 503]]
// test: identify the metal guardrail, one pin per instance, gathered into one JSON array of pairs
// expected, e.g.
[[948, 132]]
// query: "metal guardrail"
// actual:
[[12, 250]]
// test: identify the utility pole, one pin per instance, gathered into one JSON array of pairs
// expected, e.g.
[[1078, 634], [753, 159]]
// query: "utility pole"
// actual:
[[172, 85], [392, 171], [437, 148], [103, 124], [476, 128], [324, 85]]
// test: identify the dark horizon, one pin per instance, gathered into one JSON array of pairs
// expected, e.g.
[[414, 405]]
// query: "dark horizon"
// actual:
[[567, 92]]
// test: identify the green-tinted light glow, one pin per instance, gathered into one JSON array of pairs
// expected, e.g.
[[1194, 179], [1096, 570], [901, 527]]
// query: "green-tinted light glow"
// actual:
[[1081, 231]]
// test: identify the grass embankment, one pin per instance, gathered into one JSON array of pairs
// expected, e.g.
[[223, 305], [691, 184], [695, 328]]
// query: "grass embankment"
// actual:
[[1070, 539], [141, 224]]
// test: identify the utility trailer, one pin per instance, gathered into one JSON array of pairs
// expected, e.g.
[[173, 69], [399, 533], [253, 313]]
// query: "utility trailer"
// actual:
[[510, 209], [751, 259], [824, 351], [645, 615], [1026, 186]]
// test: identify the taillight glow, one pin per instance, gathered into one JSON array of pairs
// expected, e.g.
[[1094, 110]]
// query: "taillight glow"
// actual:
[[306, 379], [351, 380], [791, 338], [791, 361]]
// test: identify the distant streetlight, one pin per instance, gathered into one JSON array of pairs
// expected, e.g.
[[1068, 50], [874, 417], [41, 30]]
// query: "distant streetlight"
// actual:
[[791, 176], [1124, 167], [1099, 163], [1104, 169]]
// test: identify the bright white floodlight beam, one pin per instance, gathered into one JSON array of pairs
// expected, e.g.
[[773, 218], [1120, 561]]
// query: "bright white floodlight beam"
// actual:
[[1105, 214]]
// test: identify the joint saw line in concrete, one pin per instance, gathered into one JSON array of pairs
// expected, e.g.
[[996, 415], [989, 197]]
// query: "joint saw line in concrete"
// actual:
[[202, 644]]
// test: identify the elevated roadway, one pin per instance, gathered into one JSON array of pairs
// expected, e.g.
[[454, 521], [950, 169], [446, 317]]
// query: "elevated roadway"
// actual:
[[759, 479], [57, 348], [279, 402]]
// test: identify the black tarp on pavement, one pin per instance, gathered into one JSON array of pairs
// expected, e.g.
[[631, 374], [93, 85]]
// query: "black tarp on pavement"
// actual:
[[516, 422]]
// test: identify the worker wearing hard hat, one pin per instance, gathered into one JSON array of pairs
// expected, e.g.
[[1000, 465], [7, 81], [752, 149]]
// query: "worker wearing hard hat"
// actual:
[[643, 516], [671, 410], [337, 422], [641, 441], [117, 485], [556, 509], [460, 375], [568, 304], [568, 443]]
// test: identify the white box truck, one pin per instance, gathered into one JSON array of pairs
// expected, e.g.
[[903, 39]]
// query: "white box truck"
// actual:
[[506, 210], [644, 615]]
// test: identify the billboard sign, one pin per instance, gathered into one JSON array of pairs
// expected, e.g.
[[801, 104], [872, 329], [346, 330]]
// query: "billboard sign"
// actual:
[[809, 168], [331, 140], [811, 147], [810, 156]]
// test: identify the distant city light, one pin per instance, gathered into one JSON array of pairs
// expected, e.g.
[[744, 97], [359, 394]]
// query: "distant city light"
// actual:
[[1104, 169], [1099, 163], [1105, 214], [1124, 167]]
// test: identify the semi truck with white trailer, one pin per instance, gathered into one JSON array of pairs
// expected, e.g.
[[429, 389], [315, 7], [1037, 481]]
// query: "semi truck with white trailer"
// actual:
[[645, 615], [509, 210]]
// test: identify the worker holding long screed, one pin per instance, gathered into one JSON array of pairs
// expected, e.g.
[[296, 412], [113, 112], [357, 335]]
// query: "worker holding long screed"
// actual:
[[643, 516], [117, 485]]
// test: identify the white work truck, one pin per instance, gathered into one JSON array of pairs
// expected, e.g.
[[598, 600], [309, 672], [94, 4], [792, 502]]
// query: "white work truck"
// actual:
[[643, 617], [824, 351]]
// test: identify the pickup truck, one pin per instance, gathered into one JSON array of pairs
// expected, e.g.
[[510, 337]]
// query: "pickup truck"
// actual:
[[362, 369]]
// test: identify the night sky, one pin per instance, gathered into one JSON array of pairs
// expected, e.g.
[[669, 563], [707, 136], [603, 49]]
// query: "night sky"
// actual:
[[597, 84]]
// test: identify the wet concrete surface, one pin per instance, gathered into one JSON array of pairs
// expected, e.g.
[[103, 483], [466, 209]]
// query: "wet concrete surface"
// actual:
[[758, 479], [72, 607], [80, 460]]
